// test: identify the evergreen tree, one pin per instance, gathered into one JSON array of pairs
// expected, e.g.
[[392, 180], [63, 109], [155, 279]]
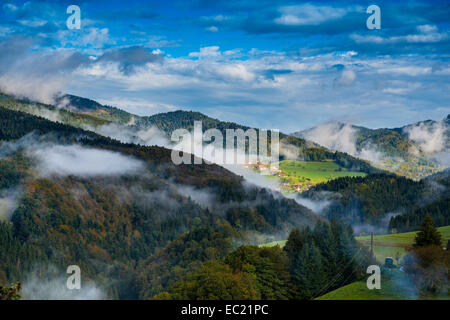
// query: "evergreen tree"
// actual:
[[428, 234]]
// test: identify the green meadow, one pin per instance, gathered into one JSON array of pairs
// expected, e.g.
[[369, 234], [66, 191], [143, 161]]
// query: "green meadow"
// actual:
[[391, 289], [394, 285], [386, 245], [314, 171], [406, 238], [391, 245]]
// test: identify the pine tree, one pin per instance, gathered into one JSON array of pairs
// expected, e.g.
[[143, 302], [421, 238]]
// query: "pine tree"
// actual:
[[428, 234]]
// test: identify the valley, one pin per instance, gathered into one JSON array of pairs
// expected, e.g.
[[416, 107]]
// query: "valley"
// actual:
[[119, 219], [224, 151]]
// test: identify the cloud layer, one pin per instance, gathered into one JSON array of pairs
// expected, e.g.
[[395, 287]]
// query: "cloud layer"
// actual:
[[430, 137], [81, 161], [341, 137]]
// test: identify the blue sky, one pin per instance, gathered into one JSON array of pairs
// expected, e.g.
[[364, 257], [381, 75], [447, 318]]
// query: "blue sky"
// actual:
[[288, 65]]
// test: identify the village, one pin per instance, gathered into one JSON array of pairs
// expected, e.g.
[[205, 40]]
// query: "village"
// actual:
[[286, 186]]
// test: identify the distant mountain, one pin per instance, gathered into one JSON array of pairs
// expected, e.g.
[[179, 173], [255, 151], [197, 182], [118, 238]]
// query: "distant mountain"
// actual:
[[415, 150], [50, 112], [435, 129], [87, 106], [393, 142], [389, 141], [350, 146], [86, 113], [166, 122]]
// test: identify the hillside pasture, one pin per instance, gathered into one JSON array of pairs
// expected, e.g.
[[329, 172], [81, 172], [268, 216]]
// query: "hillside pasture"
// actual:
[[314, 172]]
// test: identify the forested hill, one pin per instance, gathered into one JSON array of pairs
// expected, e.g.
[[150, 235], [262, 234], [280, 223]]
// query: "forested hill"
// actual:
[[304, 150], [90, 107], [385, 202], [166, 122], [82, 112], [436, 204], [390, 141], [113, 222], [393, 142]]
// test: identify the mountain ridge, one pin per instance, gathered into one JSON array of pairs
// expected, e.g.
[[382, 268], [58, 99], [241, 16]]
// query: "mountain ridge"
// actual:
[[414, 150], [167, 122]]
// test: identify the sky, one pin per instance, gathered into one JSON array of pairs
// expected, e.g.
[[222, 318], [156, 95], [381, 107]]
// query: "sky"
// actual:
[[287, 65]]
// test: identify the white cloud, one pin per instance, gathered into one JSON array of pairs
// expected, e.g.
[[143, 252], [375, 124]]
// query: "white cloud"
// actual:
[[400, 87], [407, 70], [9, 7], [90, 39], [235, 71], [234, 84], [36, 288], [212, 29], [128, 134], [346, 78], [430, 137], [136, 106], [212, 51], [309, 93], [427, 28], [33, 22], [8, 203], [341, 137], [427, 34], [307, 14], [334, 136], [82, 161], [317, 206], [426, 38], [38, 75]]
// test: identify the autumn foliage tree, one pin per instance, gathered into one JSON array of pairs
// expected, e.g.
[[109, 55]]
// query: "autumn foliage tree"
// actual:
[[10, 292], [214, 281], [428, 268], [428, 263]]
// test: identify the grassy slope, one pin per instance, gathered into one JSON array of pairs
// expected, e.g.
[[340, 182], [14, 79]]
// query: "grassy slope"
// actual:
[[394, 286], [400, 239], [389, 245], [314, 171], [385, 245], [391, 289]]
